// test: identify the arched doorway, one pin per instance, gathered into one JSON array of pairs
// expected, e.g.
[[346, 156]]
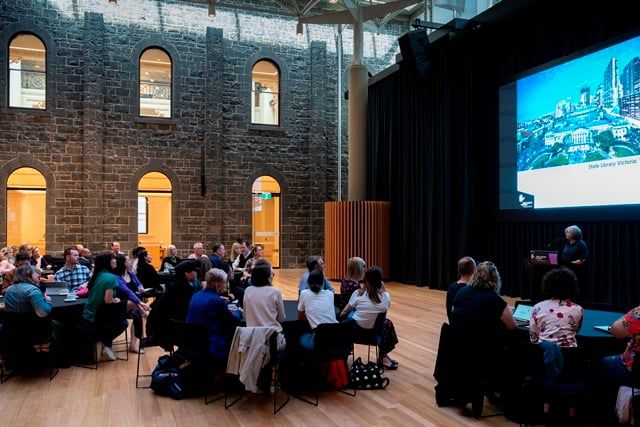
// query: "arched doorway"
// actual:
[[265, 217], [26, 208], [154, 214]]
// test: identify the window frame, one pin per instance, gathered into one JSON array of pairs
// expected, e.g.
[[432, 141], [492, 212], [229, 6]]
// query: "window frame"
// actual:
[[139, 84], [252, 93], [46, 73]]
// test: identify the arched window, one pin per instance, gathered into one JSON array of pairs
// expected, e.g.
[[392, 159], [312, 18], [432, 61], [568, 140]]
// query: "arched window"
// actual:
[[154, 214], [27, 72], [265, 93], [265, 215], [155, 83], [26, 208]]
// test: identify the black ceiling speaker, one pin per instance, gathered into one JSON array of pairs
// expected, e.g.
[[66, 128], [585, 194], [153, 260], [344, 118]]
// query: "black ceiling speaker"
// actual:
[[414, 47]]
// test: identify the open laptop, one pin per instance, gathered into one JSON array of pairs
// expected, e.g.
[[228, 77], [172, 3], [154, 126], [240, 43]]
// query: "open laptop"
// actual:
[[56, 288], [522, 314]]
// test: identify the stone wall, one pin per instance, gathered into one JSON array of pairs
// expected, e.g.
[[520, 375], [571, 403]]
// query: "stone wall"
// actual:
[[92, 146]]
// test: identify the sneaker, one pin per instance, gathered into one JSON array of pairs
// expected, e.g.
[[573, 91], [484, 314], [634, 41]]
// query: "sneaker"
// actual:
[[107, 354]]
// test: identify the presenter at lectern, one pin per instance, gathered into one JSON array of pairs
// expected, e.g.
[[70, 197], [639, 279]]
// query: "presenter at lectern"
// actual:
[[574, 252]]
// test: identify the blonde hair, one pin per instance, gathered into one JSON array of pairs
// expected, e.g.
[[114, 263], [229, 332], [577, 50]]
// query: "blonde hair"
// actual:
[[235, 251], [486, 276], [355, 268]]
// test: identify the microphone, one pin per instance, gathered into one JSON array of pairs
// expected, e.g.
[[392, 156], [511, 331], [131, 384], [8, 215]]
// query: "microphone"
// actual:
[[554, 241]]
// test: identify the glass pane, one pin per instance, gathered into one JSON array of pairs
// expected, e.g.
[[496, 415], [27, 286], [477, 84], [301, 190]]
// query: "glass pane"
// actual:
[[265, 100], [26, 208], [266, 217], [27, 72], [155, 84], [142, 215]]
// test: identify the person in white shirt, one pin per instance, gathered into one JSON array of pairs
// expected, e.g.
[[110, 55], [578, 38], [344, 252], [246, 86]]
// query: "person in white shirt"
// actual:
[[263, 305], [364, 307], [315, 306]]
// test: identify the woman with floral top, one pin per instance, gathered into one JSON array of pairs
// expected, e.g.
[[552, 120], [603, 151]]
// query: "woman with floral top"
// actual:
[[557, 319]]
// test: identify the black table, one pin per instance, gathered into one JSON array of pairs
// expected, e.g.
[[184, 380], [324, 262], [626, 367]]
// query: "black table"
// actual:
[[596, 343]]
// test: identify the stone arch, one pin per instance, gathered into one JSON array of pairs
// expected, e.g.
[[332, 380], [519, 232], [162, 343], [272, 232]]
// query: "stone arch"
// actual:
[[27, 26], [27, 161]]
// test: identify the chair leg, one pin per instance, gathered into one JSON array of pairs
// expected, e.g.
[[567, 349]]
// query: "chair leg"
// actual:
[[276, 387]]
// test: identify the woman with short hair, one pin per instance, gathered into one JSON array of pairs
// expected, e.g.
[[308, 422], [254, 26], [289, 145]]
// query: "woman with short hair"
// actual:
[[25, 296], [557, 319], [208, 307], [171, 260]]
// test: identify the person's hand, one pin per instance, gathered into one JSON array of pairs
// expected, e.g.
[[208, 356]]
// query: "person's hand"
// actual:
[[116, 300], [47, 298], [577, 262], [144, 307]]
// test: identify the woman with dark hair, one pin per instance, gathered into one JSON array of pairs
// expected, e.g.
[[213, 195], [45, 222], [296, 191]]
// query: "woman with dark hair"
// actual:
[[128, 285], [263, 305], [365, 305], [315, 306], [145, 271], [557, 319], [102, 286]]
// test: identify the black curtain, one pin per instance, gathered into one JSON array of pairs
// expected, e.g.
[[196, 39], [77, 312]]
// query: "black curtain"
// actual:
[[433, 150]]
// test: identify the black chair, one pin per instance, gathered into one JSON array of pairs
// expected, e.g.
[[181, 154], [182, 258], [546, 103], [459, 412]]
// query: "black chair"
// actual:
[[111, 319], [464, 378], [371, 337], [21, 334], [273, 367], [332, 341], [567, 389]]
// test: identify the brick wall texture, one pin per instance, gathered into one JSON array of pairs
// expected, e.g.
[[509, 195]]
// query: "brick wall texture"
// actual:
[[92, 147]]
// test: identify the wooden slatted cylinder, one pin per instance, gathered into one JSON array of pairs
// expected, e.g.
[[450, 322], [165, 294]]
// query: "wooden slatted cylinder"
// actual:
[[356, 228]]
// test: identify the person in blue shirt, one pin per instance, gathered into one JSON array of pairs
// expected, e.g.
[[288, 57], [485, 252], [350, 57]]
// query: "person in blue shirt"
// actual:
[[209, 308], [24, 295], [314, 263]]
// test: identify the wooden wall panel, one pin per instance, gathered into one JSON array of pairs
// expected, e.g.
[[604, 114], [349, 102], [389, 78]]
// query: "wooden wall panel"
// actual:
[[356, 228]]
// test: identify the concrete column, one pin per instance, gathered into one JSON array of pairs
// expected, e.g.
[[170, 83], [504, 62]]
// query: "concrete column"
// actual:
[[358, 97]]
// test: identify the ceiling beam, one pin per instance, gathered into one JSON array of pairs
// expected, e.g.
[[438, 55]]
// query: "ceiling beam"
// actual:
[[308, 6]]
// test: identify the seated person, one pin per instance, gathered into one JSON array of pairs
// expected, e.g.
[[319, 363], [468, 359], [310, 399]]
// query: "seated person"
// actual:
[[364, 307], [24, 295], [128, 286], [479, 307], [244, 256], [557, 319], [466, 267], [314, 263], [315, 306], [102, 287], [263, 305], [8, 278], [75, 275], [208, 307], [203, 264], [480, 312], [617, 369], [173, 304], [146, 272], [355, 273], [170, 261], [6, 260], [217, 257]]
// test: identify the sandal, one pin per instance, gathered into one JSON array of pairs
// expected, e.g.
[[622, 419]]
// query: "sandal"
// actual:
[[390, 366]]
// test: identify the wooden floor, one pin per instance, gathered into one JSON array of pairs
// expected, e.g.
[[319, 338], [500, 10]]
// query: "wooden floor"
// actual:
[[108, 397]]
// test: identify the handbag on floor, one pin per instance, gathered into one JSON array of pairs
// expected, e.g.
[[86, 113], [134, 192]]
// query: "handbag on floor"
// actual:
[[367, 377]]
